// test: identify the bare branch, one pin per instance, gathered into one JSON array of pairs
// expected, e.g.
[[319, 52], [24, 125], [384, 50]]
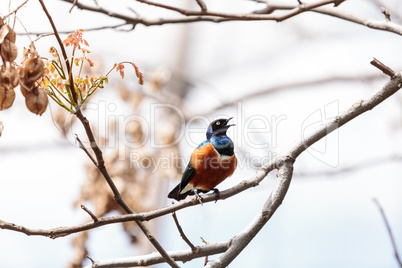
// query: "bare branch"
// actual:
[[85, 150], [100, 163], [386, 13], [358, 108], [284, 164], [182, 234], [391, 236], [63, 51], [202, 5], [240, 241], [267, 13], [15, 10], [155, 258], [86, 30], [89, 212], [342, 14], [73, 5], [385, 69]]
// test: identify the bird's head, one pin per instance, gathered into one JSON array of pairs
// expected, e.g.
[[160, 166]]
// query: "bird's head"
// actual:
[[218, 127]]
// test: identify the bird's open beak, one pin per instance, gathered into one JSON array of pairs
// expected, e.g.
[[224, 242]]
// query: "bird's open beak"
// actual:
[[227, 121]]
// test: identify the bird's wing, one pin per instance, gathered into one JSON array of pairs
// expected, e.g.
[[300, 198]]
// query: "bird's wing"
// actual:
[[188, 174]]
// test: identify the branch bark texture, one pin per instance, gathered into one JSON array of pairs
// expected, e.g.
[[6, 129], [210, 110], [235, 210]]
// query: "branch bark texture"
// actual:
[[274, 11], [284, 165]]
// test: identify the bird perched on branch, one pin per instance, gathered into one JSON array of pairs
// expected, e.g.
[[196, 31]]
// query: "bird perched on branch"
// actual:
[[211, 163]]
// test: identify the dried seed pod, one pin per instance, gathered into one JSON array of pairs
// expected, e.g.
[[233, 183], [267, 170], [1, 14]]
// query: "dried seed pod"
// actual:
[[7, 97], [8, 51], [8, 75], [6, 32], [32, 71], [36, 100]]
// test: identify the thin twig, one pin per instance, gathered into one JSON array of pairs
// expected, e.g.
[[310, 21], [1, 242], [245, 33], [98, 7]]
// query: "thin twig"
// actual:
[[100, 163], [384, 68], [42, 34], [386, 13], [15, 10], [93, 216], [63, 51], [182, 234], [154, 258], [202, 5], [85, 150], [384, 217], [284, 163], [92, 261], [73, 5], [265, 14]]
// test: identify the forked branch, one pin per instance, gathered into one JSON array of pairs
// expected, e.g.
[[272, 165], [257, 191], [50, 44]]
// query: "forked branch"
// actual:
[[284, 165]]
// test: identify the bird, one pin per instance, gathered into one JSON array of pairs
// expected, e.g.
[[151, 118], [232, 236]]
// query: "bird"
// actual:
[[211, 163]]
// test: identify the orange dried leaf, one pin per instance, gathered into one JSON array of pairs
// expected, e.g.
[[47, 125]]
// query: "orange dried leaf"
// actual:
[[120, 68], [139, 74]]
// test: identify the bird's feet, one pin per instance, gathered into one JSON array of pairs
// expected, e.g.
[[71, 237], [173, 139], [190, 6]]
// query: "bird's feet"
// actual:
[[197, 196], [217, 193]]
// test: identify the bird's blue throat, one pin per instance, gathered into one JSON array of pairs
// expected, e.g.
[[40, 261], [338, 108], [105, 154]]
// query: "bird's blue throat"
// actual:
[[223, 144]]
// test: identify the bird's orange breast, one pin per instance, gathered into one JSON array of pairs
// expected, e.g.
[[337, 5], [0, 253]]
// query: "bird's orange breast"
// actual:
[[211, 167]]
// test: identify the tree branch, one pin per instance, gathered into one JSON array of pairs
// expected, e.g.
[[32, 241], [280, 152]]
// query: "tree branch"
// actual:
[[202, 5], [341, 14], [182, 234], [283, 163], [15, 10], [89, 212], [100, 163], [155, 258], [265, 14], [384, 217]]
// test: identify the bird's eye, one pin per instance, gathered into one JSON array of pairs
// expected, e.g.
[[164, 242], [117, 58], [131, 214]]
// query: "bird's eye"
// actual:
[[218, 123]]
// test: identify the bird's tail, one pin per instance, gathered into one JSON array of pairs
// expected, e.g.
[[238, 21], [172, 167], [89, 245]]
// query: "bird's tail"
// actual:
[[175, 193]]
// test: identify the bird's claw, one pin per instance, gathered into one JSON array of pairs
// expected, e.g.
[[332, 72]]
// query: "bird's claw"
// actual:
[[198, 197], [217, 193]]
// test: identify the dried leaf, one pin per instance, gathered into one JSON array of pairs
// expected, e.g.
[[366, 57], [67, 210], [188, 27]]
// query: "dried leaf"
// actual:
[[7, 97], [3, 32], [32, 71], [9, 76], [32, 50], [6, 32], [36, 100], [8, 51]]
